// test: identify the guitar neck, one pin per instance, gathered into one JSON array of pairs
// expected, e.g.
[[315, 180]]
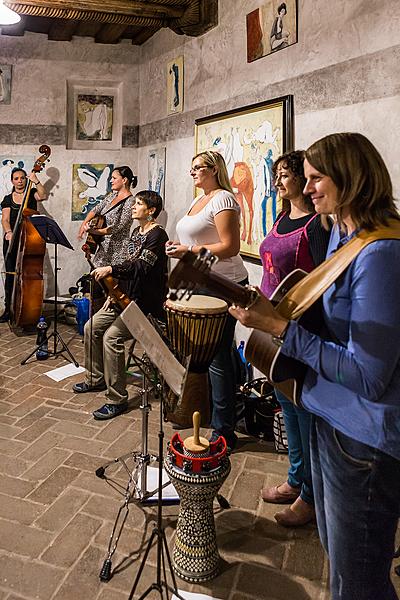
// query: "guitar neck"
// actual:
[[187, 270]]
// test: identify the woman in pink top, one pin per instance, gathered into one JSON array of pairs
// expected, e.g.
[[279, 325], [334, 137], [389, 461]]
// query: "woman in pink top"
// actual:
[[297, 240]]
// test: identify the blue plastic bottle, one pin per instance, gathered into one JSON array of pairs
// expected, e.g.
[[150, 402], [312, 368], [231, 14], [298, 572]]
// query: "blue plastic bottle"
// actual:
[[82, 312], [43, 352], [249, 368]]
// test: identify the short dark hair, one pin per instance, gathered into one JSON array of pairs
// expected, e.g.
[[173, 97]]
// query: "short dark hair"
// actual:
[[282, 6], [127, 172], [152, 200], [360, 175], [16, 170]]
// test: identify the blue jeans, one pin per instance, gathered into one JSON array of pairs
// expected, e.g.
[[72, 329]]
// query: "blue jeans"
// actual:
[[223, 380], [223, 385], [357, 501], [298, 425]]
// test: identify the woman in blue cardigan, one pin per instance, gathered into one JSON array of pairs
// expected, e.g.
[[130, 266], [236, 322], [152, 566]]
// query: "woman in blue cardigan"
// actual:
[[352, 386]]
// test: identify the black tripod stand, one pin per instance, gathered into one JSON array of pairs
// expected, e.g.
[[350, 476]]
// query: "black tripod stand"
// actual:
[[52, 234], [136, 489], [158, 534]]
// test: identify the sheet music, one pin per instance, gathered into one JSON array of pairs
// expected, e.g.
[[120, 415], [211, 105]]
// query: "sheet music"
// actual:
[[156, 349]]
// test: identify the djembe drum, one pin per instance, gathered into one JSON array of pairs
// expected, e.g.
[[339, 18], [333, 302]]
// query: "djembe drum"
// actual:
[[194, 328], [197, 469]]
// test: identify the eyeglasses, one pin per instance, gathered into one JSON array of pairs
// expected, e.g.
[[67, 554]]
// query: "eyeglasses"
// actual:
[[198, 167]]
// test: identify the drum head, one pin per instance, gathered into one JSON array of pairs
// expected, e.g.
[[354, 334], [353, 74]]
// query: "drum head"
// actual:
[[206, 305]]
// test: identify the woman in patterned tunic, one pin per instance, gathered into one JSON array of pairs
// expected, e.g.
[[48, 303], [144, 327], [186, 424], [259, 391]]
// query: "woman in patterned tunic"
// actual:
[[117, 210], [143, 277]]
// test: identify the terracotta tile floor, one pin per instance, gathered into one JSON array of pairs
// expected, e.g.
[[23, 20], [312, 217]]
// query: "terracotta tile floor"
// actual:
[[56, 516]]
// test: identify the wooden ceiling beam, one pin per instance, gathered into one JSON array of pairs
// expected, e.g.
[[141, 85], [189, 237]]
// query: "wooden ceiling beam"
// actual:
[[110, 34], [127, 8], [62, 30]]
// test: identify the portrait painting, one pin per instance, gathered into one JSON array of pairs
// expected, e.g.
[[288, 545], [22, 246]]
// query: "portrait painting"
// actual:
[[9, 162], [156, 170], [271, 27], [175, 86], [90, 184], [5, 84], [250, 139], [94, 115]]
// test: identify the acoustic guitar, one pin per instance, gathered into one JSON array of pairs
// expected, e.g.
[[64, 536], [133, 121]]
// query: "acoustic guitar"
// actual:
[[262, 349]]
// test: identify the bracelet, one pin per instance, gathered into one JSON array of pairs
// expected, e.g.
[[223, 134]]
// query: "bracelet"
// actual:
[[279, 339], [6, 232], [190, 248]]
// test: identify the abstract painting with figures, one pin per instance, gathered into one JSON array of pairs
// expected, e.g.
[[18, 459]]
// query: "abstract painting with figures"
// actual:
[[90, 184], [94, 117], [271, 27], [175, 85], [250, 139]]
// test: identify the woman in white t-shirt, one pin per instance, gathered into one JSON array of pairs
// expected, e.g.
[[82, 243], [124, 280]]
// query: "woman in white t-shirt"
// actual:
[[213, 222]]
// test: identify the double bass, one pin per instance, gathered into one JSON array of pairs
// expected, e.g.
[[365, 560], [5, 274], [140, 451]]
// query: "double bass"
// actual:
[[27, 294]]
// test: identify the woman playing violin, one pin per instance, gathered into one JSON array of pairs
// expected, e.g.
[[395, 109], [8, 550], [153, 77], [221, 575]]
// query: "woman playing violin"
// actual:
[[116, 208], [10, 208]]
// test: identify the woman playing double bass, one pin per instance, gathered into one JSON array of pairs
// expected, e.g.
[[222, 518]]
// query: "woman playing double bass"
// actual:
[[10, 208]]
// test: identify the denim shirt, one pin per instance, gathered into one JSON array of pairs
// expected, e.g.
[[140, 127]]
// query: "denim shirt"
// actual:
[[353, 382]]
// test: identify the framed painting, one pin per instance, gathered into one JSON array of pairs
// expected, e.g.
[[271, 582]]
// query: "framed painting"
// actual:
[[156, 170], [271, 27], [94, 115], [175, 86], [250, 139], [5, 84], [90, 184]]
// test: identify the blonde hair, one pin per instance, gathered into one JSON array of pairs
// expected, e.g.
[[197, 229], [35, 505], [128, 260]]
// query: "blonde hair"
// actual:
[[360, 175], [215, 160]]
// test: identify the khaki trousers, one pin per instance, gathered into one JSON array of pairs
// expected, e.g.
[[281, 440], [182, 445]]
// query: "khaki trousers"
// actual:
[[105, 353]]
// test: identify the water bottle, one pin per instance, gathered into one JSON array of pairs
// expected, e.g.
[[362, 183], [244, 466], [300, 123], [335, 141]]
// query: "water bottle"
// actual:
[[42, 353], [82, 312], [248, 367]]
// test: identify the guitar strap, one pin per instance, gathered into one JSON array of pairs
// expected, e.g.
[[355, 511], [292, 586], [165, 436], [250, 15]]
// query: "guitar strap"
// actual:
[[115, 206], [304, 293]]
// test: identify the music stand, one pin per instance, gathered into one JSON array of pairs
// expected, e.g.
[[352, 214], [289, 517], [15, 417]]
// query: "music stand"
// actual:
[[51, 233]]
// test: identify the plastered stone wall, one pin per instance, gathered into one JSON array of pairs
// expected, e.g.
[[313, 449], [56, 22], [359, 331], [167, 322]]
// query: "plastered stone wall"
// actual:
[[37, 115], [344, 73]]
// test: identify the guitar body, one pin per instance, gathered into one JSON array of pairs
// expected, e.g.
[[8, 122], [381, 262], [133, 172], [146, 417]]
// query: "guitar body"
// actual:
[[284, 373], [93, 240], [261, 350]]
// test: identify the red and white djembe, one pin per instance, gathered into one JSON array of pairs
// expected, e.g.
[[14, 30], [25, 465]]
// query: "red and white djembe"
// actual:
[[197, 469]]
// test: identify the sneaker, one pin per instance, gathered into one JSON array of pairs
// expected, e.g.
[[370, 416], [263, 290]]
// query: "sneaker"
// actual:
[[109, 411], [83, 387]]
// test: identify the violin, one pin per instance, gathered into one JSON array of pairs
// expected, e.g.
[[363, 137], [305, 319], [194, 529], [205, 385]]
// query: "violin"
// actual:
[[108, 283], [27, 294]]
